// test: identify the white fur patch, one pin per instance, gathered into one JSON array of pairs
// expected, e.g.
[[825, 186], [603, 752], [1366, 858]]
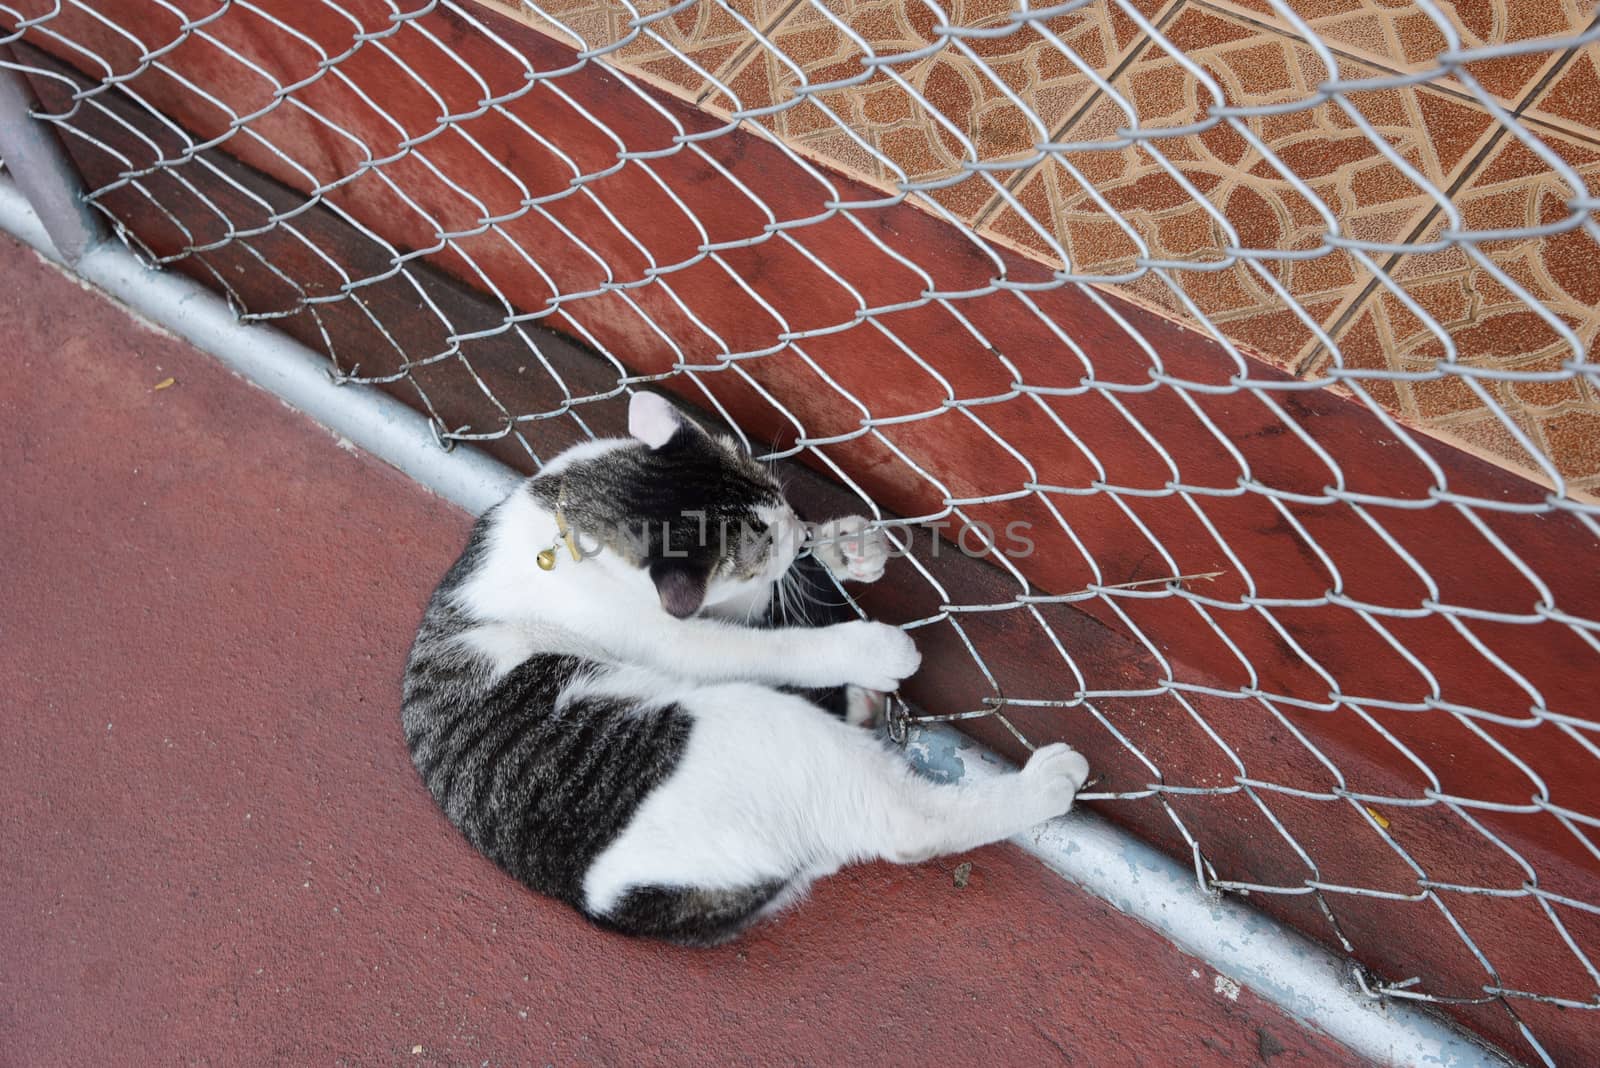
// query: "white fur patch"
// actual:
[[770, 787], [652, 419]]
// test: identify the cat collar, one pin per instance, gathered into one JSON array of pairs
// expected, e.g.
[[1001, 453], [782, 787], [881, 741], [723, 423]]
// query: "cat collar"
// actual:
[[547, 557]]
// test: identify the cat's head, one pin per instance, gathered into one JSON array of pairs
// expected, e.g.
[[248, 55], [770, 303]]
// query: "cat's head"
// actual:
[[693, 509]]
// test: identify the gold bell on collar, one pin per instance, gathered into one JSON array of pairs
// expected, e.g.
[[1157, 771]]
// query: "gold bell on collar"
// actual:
[[547, 557]]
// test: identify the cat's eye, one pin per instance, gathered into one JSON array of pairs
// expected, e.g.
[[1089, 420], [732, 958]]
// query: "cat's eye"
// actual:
[[753, 536]]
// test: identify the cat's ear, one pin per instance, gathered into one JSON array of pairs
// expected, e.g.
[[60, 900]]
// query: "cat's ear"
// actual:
[[681, 586], [652, 419]]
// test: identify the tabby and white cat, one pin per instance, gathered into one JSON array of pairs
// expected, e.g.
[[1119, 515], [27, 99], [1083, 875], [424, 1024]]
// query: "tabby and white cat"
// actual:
[[628, 727]]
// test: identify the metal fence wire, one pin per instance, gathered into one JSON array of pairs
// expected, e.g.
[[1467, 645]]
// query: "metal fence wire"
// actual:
[[989, 262]]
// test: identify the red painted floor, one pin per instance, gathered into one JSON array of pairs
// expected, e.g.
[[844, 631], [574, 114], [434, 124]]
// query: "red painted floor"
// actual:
[[215, 848]]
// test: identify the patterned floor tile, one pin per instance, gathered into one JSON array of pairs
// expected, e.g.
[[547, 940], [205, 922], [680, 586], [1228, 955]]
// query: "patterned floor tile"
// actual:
[[1403, 37], [703, 32], [1572, 100], [990, 99], [1490, 325], [1238, 185], [963, 103]]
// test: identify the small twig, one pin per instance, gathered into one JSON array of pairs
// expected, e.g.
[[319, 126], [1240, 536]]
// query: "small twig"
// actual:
[[1206, 576]]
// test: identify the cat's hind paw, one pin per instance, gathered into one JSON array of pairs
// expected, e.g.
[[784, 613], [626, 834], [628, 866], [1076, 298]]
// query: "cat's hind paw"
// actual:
[[1054, 775], [850, 550]]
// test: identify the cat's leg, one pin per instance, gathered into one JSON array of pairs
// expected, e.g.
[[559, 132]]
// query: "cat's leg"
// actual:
[[871, 655], [908, 818], [842, 550], [852, 553], [771, 789]]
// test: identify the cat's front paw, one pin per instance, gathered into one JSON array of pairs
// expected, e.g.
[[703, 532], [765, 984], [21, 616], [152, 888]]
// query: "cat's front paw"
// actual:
[[1053, 776], [873, 656], [850, 551]]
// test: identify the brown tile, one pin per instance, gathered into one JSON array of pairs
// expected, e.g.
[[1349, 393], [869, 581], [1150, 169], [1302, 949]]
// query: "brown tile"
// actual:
[[948, 89], [1572, 99], [704, 32], [1372, 199], [1490, 325], [1402, 37]]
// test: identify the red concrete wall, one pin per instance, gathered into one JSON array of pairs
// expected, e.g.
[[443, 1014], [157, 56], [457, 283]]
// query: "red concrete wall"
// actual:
[[1401, 749]]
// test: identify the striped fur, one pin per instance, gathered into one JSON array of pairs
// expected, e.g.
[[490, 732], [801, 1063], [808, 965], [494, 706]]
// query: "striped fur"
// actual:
[[645, 733]]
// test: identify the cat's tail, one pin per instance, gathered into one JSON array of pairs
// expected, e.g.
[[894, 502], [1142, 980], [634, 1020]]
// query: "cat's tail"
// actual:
[[691, 916]]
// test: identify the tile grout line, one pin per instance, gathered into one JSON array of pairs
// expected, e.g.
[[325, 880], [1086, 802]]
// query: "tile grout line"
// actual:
[[1307, 365], [1545, 80], [741, 58], [1548, 79], [1369, 61], [1015, 182], [1303, 365]]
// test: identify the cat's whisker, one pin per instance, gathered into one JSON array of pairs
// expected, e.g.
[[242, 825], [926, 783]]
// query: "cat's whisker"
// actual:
[[794, 599], [804, 591], [793, 606]]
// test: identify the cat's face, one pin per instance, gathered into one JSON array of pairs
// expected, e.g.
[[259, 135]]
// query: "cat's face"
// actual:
[[703, 518]]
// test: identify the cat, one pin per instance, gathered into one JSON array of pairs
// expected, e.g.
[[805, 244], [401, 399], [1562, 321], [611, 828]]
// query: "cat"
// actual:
[[605, 700]]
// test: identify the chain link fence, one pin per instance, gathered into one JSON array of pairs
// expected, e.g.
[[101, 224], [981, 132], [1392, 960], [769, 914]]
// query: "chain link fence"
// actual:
[[1264, 326]]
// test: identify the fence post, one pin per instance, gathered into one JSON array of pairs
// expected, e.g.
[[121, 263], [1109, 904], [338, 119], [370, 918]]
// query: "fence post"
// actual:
[[42, 170]]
